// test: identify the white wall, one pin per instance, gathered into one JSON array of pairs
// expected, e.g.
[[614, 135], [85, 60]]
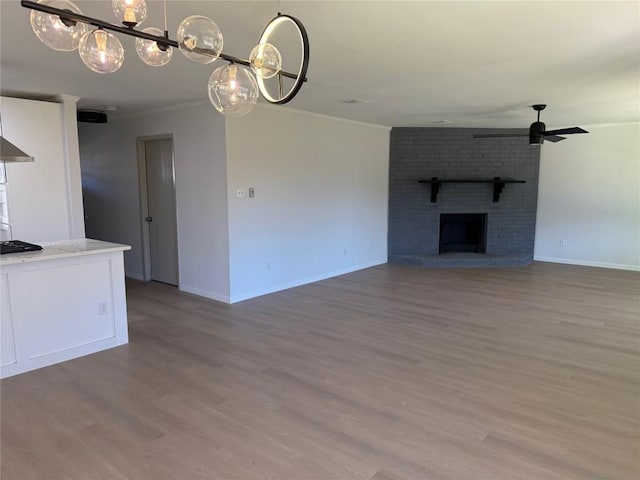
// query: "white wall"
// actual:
[[42, 195], [68, 117], [321, 189], [589, 196], [112, 203]]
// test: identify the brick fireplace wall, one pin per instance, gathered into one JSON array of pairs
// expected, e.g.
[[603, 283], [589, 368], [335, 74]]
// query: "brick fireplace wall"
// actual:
[[447, 153]]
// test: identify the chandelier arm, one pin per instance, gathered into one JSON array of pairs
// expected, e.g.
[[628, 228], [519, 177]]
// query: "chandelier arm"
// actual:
[[246, 63], [301, 77], [76, 17]]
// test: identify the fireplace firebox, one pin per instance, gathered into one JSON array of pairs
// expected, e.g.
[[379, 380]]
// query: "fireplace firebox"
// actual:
[[463, 232]]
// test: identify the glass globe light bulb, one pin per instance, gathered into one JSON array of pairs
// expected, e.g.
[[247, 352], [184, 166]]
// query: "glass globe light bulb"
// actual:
[[266, 60], [130, 12], [54, 32], [233, 90], [101, 51], [197, 34], [149, 51]]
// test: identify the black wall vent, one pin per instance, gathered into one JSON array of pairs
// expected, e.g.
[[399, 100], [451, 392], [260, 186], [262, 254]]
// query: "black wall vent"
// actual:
[[92, 116]]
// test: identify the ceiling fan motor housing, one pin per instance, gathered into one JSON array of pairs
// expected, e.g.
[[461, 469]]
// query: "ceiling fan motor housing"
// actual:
[[536, 131]]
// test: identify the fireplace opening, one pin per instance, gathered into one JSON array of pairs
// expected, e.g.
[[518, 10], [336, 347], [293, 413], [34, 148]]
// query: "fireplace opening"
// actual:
[[463, 232]]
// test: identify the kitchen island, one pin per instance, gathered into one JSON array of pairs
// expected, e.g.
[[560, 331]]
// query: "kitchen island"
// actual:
[[62, 302]]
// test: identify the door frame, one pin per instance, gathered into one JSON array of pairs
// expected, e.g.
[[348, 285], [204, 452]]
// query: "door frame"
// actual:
[[144, 201]]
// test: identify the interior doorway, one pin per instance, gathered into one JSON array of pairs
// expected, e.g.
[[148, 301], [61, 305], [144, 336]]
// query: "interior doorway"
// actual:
[[158, 209]]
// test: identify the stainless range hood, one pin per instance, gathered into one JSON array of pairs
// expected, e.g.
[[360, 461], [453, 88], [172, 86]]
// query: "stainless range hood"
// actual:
[[10, 153]]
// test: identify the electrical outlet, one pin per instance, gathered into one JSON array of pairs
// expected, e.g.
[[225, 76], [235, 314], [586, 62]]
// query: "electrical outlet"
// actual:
[[562, 242], [102, 308], [240, 193], [268, 266]]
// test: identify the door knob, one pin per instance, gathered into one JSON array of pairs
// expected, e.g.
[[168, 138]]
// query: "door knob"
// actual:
[[149, 219]]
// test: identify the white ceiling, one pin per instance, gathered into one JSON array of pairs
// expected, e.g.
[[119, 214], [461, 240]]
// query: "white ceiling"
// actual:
[[475, 64]]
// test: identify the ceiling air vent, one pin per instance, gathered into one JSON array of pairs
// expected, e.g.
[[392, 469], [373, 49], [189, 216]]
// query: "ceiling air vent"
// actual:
[[354, 100]]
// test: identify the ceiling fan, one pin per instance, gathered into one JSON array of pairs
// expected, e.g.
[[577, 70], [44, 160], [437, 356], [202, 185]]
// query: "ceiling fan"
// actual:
[[537, 133]]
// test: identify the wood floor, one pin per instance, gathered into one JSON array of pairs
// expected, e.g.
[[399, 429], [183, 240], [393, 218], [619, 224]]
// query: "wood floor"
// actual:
[[390, 373]]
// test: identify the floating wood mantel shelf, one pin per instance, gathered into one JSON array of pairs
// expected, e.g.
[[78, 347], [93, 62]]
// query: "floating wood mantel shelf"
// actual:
[[498, 185]]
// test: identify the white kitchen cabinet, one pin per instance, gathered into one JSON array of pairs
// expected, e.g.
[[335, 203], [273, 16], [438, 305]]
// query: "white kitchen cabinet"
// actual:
[[5, 219], [5, 232], [7, 339], [63, 302], [36, 192], [4, 206]]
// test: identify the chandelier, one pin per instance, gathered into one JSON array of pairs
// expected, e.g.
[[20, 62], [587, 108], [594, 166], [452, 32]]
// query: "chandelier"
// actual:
[[233, 89]]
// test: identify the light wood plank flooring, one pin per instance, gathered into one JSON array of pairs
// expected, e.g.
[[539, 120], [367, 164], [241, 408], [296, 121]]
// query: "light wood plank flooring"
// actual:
[[390, 373]]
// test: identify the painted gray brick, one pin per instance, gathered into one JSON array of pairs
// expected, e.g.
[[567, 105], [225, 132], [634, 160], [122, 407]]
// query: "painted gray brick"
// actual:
[[422, 153]]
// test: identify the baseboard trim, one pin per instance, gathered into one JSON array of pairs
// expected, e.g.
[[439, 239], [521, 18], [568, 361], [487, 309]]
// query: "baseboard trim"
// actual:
[[204, 293], [135, 276], [588, 263], [305, 281]]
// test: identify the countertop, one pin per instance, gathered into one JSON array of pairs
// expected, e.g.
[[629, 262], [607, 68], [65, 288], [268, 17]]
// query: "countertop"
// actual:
[[63, 249]]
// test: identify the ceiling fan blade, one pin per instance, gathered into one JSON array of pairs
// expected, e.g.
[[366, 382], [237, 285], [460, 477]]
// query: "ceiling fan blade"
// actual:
[[498, 135], [565, 131], [553, 138]]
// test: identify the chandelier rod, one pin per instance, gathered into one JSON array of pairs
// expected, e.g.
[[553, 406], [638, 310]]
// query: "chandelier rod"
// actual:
[[76, 17]]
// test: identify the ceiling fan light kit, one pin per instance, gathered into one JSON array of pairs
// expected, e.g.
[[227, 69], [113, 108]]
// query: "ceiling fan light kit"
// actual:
[[537, 131], [233, 89]]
